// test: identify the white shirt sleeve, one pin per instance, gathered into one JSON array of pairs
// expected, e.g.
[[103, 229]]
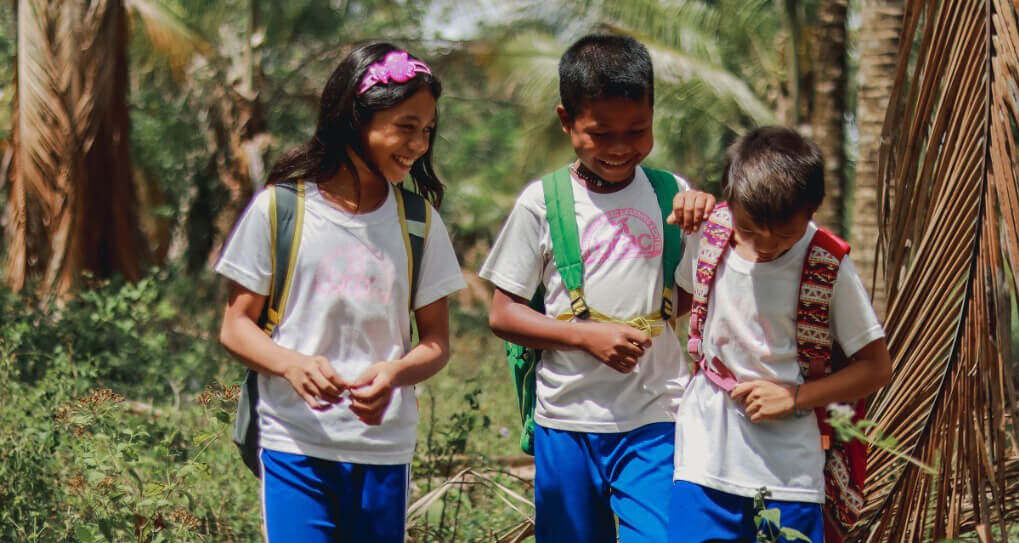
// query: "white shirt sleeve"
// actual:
[[247, 257], [854, 322], [684, 272], [440, 270], [517, 259]]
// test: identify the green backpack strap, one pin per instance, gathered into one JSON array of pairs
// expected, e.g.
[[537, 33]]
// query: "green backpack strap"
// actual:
[[665, 187], [286, 219], [562, 223], [415, 222]]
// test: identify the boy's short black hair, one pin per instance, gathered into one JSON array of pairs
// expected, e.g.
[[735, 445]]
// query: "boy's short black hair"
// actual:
[[771, 173], [601, 66]]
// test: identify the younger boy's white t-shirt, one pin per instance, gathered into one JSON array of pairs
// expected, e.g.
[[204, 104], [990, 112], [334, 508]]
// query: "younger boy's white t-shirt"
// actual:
[[348, 303], [621, 246], [751, 327]]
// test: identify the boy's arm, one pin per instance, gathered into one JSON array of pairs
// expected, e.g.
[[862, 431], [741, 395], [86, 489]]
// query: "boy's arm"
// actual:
[[615, 345], [869, 369]]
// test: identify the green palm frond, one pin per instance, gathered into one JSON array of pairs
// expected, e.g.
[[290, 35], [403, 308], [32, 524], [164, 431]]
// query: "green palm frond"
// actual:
[[168, 33]]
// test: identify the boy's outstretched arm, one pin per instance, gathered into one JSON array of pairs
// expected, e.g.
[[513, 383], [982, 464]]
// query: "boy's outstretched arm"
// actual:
[[690, 208], [615, 345], [869, 369]]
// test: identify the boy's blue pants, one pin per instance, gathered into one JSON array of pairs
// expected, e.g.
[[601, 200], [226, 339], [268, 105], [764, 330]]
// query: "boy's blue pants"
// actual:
[[311, 500], [700, 515], [585, 480]]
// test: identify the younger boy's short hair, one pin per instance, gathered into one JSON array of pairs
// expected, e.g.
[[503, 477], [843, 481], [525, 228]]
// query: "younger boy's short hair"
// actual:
[[602, 66], [771, 173]]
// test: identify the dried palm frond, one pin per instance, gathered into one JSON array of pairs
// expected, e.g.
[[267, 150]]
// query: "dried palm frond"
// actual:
[[949, 218]]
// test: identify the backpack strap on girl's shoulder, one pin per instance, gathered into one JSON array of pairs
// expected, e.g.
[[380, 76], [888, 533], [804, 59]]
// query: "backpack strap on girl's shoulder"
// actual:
[[715, 235], [286, 219], [415, 221]]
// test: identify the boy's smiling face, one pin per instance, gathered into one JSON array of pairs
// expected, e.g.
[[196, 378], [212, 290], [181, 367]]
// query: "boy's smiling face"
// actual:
[[611, 136]]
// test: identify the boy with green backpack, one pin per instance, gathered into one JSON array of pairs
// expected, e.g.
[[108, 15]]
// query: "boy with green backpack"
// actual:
[[584, 270]]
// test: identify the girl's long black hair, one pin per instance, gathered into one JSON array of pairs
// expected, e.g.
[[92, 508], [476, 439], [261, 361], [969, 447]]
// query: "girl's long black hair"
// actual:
[[342, 117]]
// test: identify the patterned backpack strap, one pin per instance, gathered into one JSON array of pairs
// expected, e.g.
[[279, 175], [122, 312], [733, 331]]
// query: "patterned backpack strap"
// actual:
[[845, 463], [715, 236]]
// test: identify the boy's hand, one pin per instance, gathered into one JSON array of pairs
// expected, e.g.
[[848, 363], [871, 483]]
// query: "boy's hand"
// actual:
[[315, 380], [371, 393], [764, 400], [690, 208], [618, 346]]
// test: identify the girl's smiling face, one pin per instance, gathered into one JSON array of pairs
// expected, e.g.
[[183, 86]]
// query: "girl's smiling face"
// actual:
[[396, 137]]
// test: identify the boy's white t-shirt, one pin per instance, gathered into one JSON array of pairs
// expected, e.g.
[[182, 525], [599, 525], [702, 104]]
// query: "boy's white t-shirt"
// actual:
[[751, 327], [621, 245], [348, 303]]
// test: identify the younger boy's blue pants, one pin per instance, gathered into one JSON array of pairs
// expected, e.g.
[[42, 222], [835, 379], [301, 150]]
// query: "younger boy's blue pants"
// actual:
[[584, 481], [311, 500]]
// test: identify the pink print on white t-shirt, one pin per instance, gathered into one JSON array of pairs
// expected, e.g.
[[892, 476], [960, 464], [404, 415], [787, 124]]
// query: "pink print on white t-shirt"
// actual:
[[355, 272], [620, 234]]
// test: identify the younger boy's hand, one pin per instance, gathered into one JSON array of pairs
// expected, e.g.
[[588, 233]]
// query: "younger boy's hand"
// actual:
[[315, 380], [371, 393], [690, 208], [764, 400], [618, 346]]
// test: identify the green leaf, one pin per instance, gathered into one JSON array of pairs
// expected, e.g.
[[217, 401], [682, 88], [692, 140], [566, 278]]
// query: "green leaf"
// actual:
[[793, 534], [84, 534]]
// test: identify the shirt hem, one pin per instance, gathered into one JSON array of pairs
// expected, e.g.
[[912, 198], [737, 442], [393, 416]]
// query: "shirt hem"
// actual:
[[729, 487], [599, 427], [505, 283], [336, 455], [235, 273], [444, 288]]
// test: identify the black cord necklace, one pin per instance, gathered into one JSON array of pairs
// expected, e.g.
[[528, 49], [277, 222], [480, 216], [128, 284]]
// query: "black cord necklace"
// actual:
[[594, 180]]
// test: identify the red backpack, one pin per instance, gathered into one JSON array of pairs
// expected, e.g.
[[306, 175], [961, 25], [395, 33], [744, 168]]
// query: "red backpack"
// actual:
[[818, 355]]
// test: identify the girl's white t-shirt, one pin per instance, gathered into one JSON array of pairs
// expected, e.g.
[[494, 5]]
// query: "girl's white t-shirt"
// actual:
[[348, 303], [621, 245], [751, 327]]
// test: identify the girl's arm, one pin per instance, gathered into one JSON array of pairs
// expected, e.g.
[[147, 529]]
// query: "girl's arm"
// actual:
[[312, 377], [615, 345], [371, 393], [869, 369]]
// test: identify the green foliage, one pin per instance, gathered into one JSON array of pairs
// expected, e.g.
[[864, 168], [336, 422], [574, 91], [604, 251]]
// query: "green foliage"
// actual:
[[769, 522]]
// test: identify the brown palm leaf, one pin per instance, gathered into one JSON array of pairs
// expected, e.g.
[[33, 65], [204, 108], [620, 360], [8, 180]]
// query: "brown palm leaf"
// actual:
[[949, 226]]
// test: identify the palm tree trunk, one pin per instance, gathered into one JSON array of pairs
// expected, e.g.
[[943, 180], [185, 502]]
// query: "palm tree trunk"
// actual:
[[828, 114], [73, 201], [879, 45]]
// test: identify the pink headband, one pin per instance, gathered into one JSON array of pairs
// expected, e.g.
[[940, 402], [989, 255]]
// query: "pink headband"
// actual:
[[397, 66]]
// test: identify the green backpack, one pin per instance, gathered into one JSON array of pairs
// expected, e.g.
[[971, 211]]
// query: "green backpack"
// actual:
[[558, 188], [286, 218]]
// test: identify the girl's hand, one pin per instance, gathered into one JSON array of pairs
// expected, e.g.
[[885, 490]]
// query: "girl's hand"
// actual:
[[690, 208], [371, 393], [764, 400], [618, 346], [315, 380]]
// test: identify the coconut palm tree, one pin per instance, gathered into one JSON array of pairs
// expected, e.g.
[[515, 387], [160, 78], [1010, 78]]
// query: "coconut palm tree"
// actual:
[[71, 206], [827, 117], [878, 46], [950, 255]]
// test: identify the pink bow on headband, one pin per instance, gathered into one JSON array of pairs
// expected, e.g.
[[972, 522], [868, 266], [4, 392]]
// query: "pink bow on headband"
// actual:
[[397, 66]]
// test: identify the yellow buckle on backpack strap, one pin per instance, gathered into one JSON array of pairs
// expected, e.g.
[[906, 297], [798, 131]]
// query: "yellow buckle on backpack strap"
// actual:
[[666, 312], [578, 305]]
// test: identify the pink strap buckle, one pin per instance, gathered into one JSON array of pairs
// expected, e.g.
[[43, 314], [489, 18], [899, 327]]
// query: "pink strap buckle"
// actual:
[[718, 373], [397, 66]]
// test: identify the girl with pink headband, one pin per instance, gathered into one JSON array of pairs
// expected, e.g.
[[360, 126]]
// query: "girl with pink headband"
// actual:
[[335, 373]]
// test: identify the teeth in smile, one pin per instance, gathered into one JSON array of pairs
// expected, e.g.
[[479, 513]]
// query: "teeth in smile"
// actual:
[[610, 163], [405, 162]]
